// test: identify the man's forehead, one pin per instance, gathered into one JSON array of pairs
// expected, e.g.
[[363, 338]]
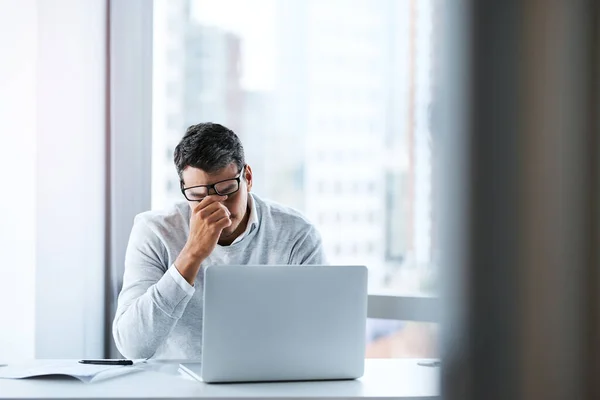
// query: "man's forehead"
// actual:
[[196, 176]]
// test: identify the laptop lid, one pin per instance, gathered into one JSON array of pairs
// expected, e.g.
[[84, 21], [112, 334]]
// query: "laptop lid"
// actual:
[[271, 323]]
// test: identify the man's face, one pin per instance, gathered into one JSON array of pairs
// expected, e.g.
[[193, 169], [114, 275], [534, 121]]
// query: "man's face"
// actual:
[[236, 203]]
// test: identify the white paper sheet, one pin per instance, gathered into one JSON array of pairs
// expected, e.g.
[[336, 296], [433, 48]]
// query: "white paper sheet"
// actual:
[[84, 372]]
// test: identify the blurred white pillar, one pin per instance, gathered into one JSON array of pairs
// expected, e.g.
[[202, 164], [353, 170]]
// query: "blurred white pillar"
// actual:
[[71, 164], [52, 172]]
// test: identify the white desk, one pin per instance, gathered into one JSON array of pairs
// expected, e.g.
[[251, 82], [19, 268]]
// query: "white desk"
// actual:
[[389, 379]]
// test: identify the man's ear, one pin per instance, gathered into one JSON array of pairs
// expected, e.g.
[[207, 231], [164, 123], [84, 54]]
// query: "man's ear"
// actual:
[[248, 176]]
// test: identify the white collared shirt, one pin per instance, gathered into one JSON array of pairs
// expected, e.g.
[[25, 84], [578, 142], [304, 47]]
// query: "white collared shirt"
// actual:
[[252, 220]]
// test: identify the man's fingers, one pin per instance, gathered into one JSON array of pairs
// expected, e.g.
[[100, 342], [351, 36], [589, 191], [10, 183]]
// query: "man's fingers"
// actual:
[[207, 212], [222, 212], [208, 200], [222, 223]]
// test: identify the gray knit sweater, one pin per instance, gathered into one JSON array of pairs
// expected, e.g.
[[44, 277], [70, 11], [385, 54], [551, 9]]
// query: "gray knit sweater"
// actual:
[[159, 315]]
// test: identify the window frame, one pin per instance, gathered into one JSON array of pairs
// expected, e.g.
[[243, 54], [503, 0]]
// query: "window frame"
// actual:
[[130, 143]]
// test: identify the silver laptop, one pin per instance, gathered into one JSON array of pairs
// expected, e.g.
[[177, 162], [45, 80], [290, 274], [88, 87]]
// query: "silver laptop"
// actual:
[[282, 323]]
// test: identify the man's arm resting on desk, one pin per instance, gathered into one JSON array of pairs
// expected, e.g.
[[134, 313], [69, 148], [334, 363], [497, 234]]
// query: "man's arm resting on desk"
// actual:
[[152, 300]]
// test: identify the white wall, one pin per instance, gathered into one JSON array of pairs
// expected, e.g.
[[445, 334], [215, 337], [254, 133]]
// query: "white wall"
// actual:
[[52, 174], [71, 175], [18, 53]]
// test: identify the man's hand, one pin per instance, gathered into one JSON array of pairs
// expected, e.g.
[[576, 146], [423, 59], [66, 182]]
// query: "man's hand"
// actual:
[[208, 220]]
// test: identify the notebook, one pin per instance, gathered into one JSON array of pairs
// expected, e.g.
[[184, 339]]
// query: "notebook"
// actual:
[[85, 373]]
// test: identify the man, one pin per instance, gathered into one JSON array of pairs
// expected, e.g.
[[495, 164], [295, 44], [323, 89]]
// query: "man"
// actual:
[[159, 311]]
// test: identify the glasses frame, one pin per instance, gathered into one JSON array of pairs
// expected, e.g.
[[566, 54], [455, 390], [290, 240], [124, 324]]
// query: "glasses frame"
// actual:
[[238, 179]]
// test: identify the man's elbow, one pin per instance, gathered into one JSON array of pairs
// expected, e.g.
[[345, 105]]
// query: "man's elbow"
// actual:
[[130, 347]]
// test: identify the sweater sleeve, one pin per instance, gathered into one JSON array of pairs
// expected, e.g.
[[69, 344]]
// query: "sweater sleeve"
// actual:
[[308, 249], [152, 298]]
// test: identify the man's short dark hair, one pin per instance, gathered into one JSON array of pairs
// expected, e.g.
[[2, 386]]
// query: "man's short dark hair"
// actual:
[[209, 147]]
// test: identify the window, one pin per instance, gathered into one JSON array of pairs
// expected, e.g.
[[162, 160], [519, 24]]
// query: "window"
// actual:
[[321, 187], [173, 123], [401, 339], [333, 113], [372, 218], [338, 187], [337, 249], [371, 247], [338, 218]]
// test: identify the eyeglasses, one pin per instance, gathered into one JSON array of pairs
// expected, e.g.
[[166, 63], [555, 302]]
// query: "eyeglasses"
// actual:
[[222, 188]]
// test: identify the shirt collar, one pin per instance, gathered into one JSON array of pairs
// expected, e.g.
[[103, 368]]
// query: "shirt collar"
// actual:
[[252, 219]]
